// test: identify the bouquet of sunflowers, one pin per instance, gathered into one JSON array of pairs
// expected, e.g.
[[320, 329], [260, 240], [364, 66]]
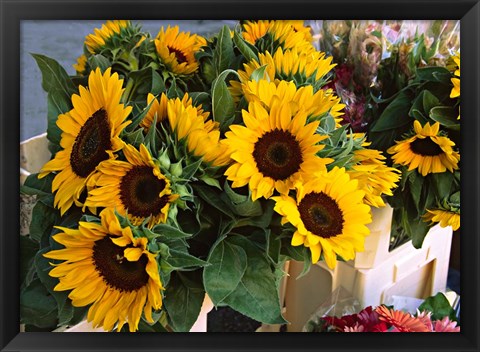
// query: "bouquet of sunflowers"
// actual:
[[184, 166], [400, 81]]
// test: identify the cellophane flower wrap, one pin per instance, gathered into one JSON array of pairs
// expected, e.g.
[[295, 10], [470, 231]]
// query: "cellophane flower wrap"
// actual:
[[400, 81], [183, 166]]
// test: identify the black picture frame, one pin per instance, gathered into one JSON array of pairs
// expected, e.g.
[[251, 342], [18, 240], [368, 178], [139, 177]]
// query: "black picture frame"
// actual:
[[14, 11]]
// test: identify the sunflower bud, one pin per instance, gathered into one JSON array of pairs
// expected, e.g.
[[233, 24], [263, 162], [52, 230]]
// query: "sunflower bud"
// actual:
[[164, 161], [176, 169]]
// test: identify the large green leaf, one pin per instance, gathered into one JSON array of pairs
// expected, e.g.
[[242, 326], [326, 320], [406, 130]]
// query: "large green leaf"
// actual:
[[28, 248], [435, 74], [223, 106], [183, 300], [223, 54], [54, 76], [64, 306], [99, 61], [43, 220], [38, 186], [446, 116], [395, 114], [37, 306], [228, 263], [248, 51], [184, 261], [256, 296], [439, 306], [169, 231]]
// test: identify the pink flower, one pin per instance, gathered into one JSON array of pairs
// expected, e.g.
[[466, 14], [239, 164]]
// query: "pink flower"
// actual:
[[425, 318], [356, 328], [445, 325]]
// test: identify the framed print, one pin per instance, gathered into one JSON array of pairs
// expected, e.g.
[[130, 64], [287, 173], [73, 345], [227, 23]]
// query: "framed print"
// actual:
[[259, 167]]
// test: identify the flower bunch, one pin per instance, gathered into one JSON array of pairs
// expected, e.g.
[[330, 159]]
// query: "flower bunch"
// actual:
[[400, 81], [434, 315], [183, 166]]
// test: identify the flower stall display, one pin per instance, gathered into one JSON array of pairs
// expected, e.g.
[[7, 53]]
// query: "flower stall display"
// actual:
[[185, 167], [400, 81], [435, 314]]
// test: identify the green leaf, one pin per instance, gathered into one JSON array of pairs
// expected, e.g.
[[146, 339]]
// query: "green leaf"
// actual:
[[248, 51], [259, 74], [416, 181], [223, 106], [443, 182], [190, 170], [135, 138], [241, 204], [28, 248], [446, 116], [183, 261], [429, 101], [199, 98], [65, 308], [395, 114], [439, 306], [183, 300], [99, 61], [256, 296], [169, 231], [57, 103], [38, 186], [418, 231], [211, 181], [435, 74], [54, 77], [223, 54], [37, 306], [228, 263], [143, 326], [43, 220], [213, 199]]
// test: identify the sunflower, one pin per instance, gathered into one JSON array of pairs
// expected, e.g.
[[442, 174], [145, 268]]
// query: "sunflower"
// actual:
[[374, 177], [135, 187], [290, 65], [455, 93], [427, 150], [97, 41], [158, 108], [444, 217], [316, 105], [90, 134], [202, 137], [274, 149], [81, 64], [456, 81], [108, 269], [271, 35], [329, 216], [176, 50]]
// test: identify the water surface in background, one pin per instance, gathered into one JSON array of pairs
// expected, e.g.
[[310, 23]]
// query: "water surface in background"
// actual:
[[63, 41]]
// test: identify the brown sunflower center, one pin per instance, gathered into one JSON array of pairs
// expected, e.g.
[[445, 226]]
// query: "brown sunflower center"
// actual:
[[139, 192], [116, 270], [425, 147], [89, 148], [321, 215], [181, 57], [278, 154]]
